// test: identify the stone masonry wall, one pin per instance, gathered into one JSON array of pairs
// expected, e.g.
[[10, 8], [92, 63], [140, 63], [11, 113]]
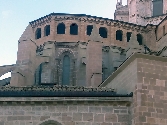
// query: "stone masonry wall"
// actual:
[[150, 95], [66, 113], [124, 81], [149, 88]]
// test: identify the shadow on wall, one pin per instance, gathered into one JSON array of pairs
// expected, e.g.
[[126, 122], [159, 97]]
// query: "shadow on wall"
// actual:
[[50, 122]]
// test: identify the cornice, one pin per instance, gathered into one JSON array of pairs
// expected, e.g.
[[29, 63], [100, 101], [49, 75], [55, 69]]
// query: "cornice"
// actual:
[[87, 18]]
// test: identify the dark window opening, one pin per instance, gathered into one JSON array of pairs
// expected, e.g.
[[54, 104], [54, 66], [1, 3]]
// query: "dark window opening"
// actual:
[[164, 30], [66, 70], [74, 29], [128, 35], [119, 34], [104, 73], [61, 28], [38, 74], [38, 33], [139, 39], [103, 32], [47, 30], [89, 29]]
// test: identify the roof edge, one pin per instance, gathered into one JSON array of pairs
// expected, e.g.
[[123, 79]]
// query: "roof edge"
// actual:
[[128, 61]]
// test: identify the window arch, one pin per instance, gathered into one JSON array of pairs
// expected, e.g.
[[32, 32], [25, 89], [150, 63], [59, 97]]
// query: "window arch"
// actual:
[[103, 32], [50, 122], [47, 30], [74, 29], [119, 35], [66, 70], [89, 29], [128, 35], [140, 39], [61, 28], [38, 33]]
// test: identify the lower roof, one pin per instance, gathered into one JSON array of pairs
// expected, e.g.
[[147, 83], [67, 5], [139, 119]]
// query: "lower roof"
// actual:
[[58, 91]]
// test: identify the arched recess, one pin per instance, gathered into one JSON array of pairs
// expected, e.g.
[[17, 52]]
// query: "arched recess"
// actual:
[[66, 68], [61, 28], [128, 35], [140, 39], [42, 74], [103, 32], [119, 35], [47, 30], [38, 33], [89, 29], [50, 122], [103, 71], [74, 29]]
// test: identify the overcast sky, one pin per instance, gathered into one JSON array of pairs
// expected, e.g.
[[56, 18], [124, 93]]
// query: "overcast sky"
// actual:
[[16, 14]]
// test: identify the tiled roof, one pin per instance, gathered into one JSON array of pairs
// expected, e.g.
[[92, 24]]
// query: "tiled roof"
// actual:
[[58, 91]]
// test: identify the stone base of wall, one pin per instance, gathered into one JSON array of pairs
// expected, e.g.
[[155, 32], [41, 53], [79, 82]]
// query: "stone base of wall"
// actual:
[[66, 111]]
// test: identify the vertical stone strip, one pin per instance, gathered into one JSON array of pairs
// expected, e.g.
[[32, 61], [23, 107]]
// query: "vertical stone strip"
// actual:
[[25, 56], [94, 59]]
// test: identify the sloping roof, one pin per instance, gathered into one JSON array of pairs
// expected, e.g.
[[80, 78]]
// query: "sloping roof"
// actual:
[[58, 91], [5, 81]]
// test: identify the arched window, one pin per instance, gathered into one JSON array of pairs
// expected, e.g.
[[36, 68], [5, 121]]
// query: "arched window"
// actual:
[[38, 33], [103, 32], [128, 35], [61, 28], [66, 70], [38, 74], [74, 29], [119, 35], [140, 39], [47, 30], [89, 29]]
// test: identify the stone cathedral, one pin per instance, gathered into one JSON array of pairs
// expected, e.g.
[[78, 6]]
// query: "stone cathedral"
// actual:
[[78, 69]]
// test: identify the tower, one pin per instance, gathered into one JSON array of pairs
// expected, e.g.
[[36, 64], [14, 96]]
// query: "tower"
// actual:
[[121, 12], [164, 6], [119, 4], [158, 4], [138, 10]]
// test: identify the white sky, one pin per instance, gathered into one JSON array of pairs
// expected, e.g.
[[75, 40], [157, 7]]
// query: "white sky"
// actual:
[[16, 14]]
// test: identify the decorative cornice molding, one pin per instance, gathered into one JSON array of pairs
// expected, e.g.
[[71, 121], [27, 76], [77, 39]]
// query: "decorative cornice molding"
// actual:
[[87, 18], [41, 21]]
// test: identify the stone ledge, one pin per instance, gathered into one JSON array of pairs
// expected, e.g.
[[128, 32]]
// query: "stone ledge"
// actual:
[[3, 99]]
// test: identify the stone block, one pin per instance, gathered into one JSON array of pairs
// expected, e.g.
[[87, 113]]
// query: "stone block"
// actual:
[[87, 116], [99, 118], [94, 109], [109, 117], [77, 116]]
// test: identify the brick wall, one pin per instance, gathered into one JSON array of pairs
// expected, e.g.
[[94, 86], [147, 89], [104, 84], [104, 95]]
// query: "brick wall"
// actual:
[[66, 112]]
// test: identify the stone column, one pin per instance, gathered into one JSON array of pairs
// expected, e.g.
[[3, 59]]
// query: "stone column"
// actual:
[[94, 59], [133, 46]]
